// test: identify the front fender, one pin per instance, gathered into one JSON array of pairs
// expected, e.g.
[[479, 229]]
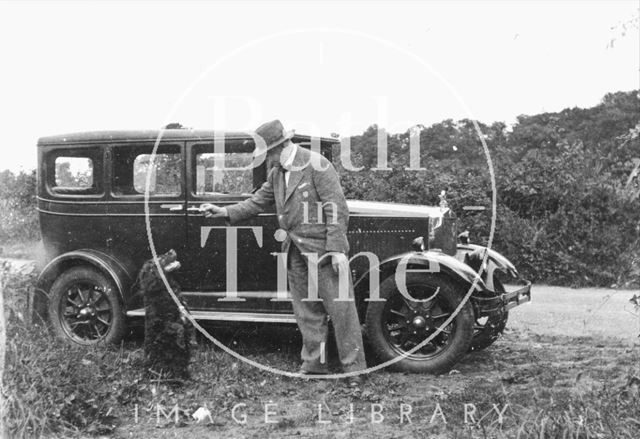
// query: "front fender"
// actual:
[[431, 261], [474, 255], [105, 263], [500, 261]]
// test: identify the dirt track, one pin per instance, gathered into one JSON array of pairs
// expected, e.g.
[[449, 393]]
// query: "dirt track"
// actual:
[[571, 312]]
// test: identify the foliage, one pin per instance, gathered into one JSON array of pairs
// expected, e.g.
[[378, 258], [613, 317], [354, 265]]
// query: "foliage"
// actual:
[[18, 215], [568, 190], [568, 197]]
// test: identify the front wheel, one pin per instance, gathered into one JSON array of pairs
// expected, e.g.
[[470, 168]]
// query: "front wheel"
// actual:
[[84, 307], [398, 325]]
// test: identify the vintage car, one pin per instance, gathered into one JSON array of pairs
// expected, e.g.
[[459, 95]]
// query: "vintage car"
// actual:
[[92, 210]]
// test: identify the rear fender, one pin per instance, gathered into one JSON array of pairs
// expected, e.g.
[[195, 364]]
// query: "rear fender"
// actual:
[[106, 264]]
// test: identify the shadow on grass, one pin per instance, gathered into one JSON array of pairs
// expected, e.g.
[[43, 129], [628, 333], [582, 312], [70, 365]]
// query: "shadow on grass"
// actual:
[[272, 345]]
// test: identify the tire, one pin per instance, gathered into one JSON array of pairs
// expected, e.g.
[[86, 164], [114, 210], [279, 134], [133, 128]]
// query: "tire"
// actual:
[[486, 332], [389, 335], [84, 308]]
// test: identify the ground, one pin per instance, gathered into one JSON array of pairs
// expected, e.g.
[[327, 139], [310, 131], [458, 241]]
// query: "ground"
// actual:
[[561, 357], [523, 372], [568, 365]]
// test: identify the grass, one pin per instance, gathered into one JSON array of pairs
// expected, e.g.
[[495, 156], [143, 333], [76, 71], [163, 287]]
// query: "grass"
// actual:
[[553, 386]]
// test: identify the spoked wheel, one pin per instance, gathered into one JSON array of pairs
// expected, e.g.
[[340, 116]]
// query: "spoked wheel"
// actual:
[[487, 330], [399, 324], [84, 307]]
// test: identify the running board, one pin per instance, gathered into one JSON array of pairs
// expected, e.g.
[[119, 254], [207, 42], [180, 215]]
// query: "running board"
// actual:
[[222, 316]]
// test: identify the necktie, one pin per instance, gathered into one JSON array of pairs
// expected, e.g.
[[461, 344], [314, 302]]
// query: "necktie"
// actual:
[[284, 172]]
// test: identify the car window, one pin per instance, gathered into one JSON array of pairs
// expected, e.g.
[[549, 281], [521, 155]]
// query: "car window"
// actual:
[[73, 173], [132, 165], [224, 173], [165, 173]]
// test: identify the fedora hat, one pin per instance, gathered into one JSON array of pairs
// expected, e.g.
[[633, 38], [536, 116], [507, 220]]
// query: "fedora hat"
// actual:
[[273, 133]]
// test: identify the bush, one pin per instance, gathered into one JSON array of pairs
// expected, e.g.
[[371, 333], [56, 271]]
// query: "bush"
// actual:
[[568, 204], [18, 214]]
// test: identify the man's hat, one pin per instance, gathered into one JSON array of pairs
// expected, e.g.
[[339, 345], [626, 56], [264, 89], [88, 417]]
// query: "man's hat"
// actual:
[[273, 133]]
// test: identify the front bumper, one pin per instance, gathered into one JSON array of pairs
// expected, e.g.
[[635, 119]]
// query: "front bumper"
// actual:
[[501, 302], [517, 297]]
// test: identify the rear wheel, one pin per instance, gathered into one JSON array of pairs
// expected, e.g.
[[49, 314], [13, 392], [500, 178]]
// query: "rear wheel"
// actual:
[[398, 325], [84, 307]]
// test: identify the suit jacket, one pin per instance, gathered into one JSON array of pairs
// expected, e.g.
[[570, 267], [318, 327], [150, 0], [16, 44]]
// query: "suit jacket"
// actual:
[[311, 209]]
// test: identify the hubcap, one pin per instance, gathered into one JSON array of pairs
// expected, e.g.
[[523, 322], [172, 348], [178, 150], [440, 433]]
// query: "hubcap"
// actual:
[[419, 322], [85, 312]]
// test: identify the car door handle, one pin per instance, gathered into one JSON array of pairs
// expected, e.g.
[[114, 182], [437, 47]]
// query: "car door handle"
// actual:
[[193, 209], [172, 207]]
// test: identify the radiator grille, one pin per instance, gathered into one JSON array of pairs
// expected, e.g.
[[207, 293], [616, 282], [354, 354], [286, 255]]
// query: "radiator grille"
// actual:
[[384, 237]]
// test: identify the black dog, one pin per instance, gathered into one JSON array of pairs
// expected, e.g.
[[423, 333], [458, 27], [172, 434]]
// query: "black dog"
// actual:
[[167, 333]]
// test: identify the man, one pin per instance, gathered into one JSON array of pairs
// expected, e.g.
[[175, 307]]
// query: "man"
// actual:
[[298, 182]]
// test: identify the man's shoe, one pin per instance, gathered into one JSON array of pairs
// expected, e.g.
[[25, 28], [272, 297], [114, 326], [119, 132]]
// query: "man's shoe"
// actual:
[[357, 381], [309, 372]]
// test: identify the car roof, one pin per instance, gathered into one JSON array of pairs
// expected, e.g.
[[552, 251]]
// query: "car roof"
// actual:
[[179, 134]]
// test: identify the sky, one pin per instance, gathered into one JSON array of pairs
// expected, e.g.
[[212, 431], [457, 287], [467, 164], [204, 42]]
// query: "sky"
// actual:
[[321, 68]]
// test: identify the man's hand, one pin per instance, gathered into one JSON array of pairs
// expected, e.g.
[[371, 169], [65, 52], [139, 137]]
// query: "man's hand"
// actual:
[[339, 260], [213, 211]]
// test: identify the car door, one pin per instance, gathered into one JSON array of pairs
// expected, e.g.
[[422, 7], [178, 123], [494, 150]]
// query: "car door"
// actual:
[[231, 268], [131, 163]]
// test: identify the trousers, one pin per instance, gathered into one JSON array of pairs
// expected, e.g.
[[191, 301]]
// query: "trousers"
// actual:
[[313, 316]]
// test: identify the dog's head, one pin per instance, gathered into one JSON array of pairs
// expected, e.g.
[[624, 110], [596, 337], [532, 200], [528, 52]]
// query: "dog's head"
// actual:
[[169, 261], [149, 279]]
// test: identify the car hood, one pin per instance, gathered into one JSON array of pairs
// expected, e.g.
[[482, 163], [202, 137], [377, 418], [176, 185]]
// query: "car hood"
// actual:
[[377, 208]]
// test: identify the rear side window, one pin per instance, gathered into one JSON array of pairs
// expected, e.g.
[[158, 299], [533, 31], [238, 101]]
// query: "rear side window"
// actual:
[[165, 174], [132, 165], [75, 171]]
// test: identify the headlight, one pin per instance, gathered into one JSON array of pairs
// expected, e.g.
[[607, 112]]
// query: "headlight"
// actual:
[[418, 244]]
